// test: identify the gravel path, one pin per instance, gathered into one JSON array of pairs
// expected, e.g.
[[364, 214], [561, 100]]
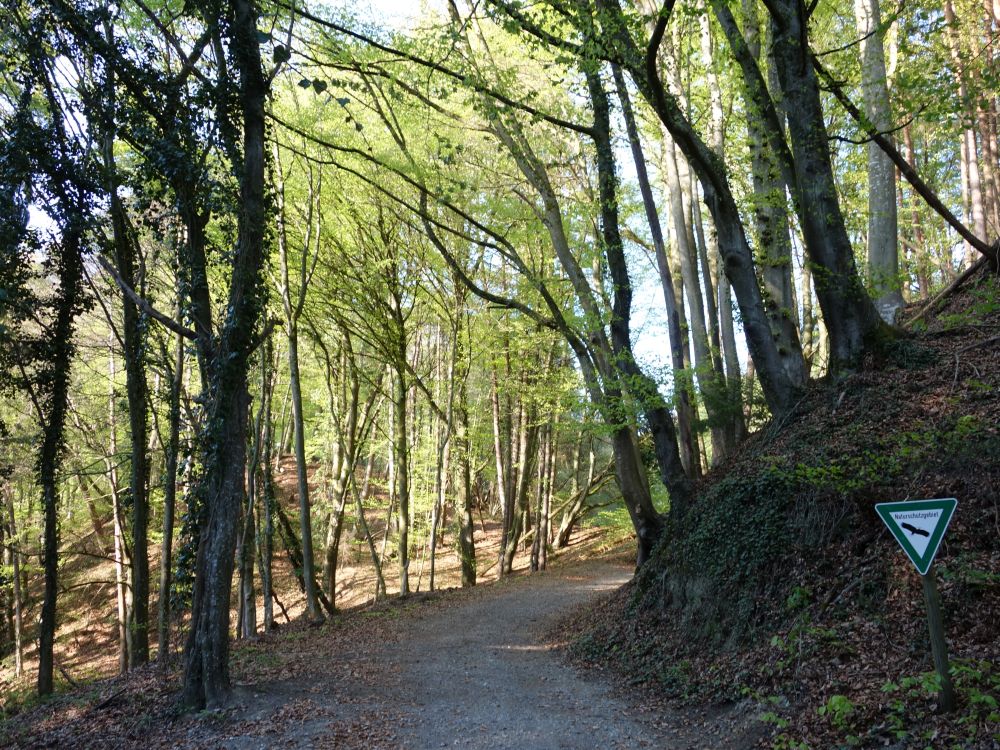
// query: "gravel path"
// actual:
[[477, 675], [473, 670]]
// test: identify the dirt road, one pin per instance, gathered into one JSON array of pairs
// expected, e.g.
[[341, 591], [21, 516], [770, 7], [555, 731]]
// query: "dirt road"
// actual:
[[467, 669], [473, 671], [479, 676]]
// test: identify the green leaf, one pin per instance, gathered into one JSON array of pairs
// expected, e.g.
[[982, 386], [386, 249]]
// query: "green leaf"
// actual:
[[305, 83], [319, 86], [342, 101]]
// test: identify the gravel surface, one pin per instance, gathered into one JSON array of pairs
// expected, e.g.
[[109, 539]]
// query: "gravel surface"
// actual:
[[470, 669], [477, 675], [473, 670]]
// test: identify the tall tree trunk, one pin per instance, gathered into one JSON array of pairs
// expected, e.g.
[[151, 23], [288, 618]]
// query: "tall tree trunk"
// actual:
[[444, 443], [526, 458], [848, 312], [118, 520], [780, 392], [335, 531], [501, 450], [206, 676], [302, 469], [264, 534], [464, 498], [919, 252], [571, 511], [648, 523], [545, 529], [541, 470], [883, 252], [771, 217], [246, 553], [136, 390], [969, 153], [14, 558], [685, 410], [292, 310], [401, 463], [51, 411], [170, 496], [359, 497]]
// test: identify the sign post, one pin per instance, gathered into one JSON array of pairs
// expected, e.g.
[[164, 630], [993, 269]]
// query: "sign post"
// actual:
[[919, 527]]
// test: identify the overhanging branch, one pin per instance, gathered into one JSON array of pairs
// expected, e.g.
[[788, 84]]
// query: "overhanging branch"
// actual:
[[924, 190], [144, 304]]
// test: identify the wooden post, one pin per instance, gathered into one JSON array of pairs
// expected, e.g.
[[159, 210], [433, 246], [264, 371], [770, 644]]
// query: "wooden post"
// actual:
[[939, 648]]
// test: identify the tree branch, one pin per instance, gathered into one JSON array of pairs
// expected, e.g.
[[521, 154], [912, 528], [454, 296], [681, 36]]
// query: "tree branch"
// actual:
[[144, 305], [439, 68], [929, 196]]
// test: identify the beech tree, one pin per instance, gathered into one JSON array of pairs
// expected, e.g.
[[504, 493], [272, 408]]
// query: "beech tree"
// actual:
[[478, 266]]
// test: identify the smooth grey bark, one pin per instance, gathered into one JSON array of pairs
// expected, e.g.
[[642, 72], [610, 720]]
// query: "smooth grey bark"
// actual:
[[170, 494], [848, 312], [444, 435], [401, 474], [501, 449], [687, 256], [247, 546], [685, 410], [883, 248], [121, 557], [541, 470], [292, 311], [464, 499], [771, 219], [920, 263], [543, 493], [709, 252], [265, 517], [246, 553], [527, 445]]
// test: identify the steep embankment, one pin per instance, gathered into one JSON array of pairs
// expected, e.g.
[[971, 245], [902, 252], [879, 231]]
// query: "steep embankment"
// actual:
[[783, 583]]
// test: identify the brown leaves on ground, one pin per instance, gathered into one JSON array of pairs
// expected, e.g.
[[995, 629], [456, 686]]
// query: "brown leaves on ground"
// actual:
[[849, 663]]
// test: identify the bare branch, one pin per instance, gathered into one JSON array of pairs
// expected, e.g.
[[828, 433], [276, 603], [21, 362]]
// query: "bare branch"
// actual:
[[144, 305]]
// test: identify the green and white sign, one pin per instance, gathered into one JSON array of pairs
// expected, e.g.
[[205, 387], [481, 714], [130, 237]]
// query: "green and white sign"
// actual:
[[918, 526]]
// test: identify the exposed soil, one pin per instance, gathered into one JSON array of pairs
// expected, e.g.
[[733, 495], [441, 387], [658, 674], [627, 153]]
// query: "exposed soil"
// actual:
[[458, 668]]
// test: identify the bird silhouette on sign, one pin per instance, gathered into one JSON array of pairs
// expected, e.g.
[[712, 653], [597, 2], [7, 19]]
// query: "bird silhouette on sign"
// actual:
[[914, 530]]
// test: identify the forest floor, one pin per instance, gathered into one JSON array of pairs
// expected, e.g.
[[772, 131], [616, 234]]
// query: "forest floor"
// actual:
[[460, 668]]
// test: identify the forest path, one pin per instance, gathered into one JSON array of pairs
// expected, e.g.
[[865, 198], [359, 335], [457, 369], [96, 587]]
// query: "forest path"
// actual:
[[479, 675], [475, 671]]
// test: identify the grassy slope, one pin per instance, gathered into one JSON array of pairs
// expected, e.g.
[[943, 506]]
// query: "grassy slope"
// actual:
[[785, 586]]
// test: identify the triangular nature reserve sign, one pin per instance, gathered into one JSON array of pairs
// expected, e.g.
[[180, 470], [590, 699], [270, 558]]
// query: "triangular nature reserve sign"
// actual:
[[918, 526]]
